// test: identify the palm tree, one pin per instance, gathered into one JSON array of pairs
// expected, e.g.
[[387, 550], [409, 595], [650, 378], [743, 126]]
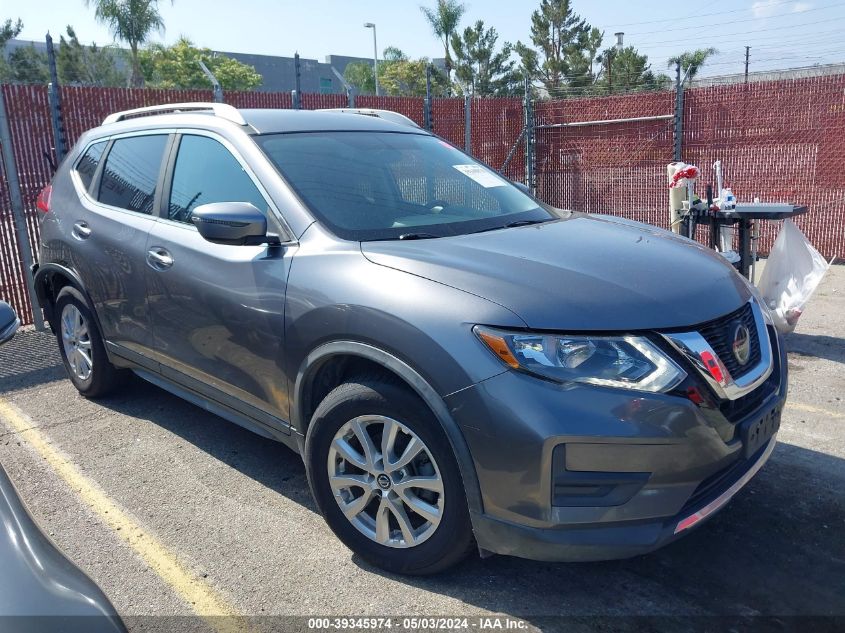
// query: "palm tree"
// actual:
[[130, 21], [444, 20], [692, 60]]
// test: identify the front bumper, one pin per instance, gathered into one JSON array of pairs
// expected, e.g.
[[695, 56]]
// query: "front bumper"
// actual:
[[573, 473], [604, 541]]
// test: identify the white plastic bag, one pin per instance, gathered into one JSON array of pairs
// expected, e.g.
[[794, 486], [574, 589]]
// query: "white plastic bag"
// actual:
[[792, 273]]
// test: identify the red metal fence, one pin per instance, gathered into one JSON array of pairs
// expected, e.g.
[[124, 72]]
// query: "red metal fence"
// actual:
[[781, 141], [617, 168]]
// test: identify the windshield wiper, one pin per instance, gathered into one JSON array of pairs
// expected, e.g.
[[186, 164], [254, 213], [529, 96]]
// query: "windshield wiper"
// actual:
[[513, 224], [510, 225], [418, 236]]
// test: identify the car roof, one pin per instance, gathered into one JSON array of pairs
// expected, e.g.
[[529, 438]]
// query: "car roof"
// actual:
[[257, 121], [266, 121]]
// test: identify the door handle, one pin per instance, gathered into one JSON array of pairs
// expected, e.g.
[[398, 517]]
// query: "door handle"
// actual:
[[159, 258], [81, 230]]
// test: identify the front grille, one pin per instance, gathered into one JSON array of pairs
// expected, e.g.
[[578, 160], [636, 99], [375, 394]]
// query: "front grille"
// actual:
[[736, 410], [719, 334]]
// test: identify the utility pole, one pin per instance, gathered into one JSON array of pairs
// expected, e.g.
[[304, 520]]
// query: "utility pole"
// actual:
[[55, 100], [679, 112], [370, 25], [747, 51], [297, 78], [528, 114], [427, 114]]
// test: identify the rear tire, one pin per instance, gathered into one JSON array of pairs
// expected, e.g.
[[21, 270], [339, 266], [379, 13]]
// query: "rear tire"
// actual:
[[407, 518], [81, 347]]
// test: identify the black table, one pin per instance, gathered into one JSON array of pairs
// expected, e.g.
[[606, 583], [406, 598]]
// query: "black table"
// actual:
[[742, 216]]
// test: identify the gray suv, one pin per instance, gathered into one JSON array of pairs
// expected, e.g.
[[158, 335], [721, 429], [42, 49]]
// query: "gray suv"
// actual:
[[459, 365]]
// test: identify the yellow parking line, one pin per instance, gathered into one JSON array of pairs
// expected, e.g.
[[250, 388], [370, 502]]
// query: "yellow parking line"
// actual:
[[203, 599], [799, 406]]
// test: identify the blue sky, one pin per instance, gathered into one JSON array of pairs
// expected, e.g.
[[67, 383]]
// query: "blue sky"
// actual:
[[782, 33]]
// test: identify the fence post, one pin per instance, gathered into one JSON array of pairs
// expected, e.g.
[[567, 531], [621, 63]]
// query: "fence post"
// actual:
[[18, 212], [55, 102], [679, 113], [427, 118], [297, 92], [468, 124], [215, 85], [528, 114]]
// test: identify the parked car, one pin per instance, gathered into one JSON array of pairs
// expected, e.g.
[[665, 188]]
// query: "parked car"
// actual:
[[40, 589], [459, 364], [9, 322]]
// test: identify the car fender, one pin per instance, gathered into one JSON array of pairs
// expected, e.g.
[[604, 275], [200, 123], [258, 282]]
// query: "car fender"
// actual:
[[413, 378], [42, 273]]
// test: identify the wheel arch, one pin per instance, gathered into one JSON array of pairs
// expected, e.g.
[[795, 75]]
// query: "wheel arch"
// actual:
[[389, 363], [47, 289]]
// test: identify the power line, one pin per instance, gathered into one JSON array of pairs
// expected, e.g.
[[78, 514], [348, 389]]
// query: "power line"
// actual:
[[826, 38], [597, 90], [780, 15], [698, 16], [746, 34]]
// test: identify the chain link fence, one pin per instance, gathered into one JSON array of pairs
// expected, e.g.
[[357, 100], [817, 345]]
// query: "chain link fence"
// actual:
[[780, 141]]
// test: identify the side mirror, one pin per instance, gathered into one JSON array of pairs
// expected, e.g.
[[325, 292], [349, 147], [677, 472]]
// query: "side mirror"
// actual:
[[9, 322], [233, 223]]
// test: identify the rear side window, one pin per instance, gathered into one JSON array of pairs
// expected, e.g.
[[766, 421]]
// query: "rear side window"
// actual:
[[131, 172], [207, 172], [87, 165]]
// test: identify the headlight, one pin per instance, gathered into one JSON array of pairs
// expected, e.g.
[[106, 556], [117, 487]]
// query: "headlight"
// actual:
[[629, 362]]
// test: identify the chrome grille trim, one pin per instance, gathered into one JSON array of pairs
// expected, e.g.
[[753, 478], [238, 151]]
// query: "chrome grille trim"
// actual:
[[692, 345]]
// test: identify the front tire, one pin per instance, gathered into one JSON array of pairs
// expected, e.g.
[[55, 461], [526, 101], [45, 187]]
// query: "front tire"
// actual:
[[386, 480], [81, 347]]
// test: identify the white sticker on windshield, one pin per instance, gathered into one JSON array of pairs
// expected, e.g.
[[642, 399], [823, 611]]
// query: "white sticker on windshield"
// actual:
[[482, 176]]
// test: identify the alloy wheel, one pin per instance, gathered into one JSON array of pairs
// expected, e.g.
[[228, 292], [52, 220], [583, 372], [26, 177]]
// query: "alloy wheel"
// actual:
[[386, 481], [76, 339]]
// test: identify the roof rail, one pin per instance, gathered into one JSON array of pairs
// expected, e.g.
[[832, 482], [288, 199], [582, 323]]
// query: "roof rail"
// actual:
[[222, 110], [388, 115]]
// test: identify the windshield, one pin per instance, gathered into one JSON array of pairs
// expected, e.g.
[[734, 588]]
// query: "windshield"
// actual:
[[386, 185]]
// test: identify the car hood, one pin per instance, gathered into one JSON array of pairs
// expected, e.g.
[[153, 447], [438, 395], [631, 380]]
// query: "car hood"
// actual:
[[582, 272]]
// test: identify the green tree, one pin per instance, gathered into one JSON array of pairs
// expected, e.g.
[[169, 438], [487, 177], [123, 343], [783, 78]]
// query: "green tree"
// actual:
[[480, 70], [406, 78], [9, 30], [132, 22], [625, 70], [565, 47], [691, 60], [593, 44], [444, 20], [397, 75], [178, 66], [28, 65], [390, 57], [360, 76], [87, 65]]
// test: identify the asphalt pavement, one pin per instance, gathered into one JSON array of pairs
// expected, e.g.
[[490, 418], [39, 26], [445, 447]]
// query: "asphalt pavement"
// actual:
[[231, 513]]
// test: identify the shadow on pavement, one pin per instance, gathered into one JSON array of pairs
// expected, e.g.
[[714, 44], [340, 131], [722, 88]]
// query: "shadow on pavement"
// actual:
[[818, 345], [777, 549], [31, 358], [266, 461]]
